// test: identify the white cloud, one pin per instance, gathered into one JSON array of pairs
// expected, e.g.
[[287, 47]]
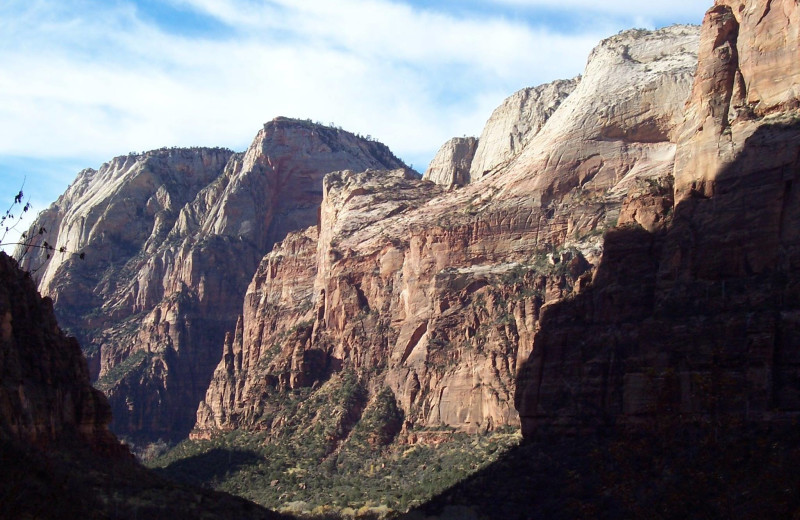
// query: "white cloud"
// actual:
[[91, 83]]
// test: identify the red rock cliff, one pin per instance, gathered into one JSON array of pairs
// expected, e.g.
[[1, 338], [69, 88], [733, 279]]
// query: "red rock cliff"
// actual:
[[45, 394], [700, 315], [436, 294], [171, 239]]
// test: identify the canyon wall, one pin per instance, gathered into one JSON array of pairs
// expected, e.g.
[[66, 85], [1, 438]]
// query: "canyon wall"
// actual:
[[45, 396], [59, 458], [697, 315], [171, 238], [435, 292]]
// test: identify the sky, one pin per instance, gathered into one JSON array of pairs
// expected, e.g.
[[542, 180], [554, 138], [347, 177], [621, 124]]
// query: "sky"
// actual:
[[83, 81]]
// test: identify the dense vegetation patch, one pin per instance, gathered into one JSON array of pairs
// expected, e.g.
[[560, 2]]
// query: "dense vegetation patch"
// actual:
[[335, 452], [136, 361], [359, 476]]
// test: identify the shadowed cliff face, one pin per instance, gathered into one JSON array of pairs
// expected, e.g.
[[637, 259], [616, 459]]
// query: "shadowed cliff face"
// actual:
[[171, 240], [59, 459], [700, 316], [697, 320], [45, 395], [682, 354]]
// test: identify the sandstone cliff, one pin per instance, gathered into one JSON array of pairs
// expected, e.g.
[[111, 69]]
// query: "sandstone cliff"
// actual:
[[45, 395], [171, 239], [509, 129], [59, 459], [515, 122], [436, 295], [697, 314], [450, 166]]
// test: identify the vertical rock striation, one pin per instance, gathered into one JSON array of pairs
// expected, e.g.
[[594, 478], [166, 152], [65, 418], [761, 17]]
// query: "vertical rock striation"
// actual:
[[450, 166], [171, 239], [436, 294], [515, 122], [697, 316]]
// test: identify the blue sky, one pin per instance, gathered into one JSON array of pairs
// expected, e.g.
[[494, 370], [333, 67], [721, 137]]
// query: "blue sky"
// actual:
[[83, 81]]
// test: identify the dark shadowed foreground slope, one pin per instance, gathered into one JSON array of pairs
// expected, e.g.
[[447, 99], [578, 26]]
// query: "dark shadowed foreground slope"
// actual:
[[666, 470], [57, 457]]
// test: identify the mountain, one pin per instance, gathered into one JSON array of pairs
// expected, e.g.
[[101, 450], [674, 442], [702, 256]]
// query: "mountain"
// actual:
[[318, 299], [437, 294], [59, 458], [401, 319], [615, 255], [171, 239]]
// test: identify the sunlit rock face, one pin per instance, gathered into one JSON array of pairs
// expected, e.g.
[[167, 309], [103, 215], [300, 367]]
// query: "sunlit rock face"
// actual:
[[437, 293], [696, 314], [511, 126], [171, 240], [515, 122], [450, 166]]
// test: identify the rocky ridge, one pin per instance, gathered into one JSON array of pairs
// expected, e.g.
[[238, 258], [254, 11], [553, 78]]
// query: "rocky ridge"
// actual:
[[171, 239], [511, 126], [437, 295]]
